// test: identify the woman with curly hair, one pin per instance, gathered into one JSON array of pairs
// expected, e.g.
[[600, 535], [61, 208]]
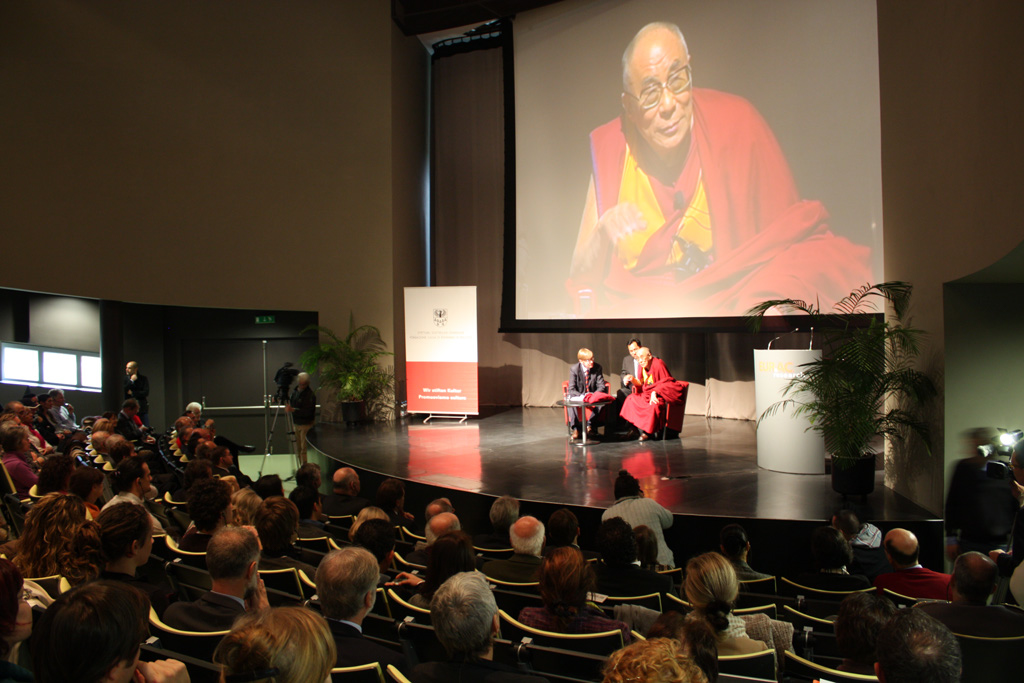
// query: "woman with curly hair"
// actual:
[[659, 660], [565, 580], [245, 503], [58, 540], [15, 622], [283, 644]]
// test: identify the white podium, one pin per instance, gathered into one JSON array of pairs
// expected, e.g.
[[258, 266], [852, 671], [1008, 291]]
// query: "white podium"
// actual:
[[784, 442]]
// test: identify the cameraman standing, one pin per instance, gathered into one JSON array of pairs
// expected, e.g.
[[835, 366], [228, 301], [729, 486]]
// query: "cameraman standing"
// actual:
[[303, 409]]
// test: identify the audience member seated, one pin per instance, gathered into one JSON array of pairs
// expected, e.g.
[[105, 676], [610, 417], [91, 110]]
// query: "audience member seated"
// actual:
[[975, 577], [450, 554], [128, 428], [196, 470], [118, 448], [87, 484], [378, 537], [527, 538], [465, 619], [831, 555], [391, 499], [26, 415], [564, 531], [434, 507], [92, 634], [504, 512], [366, 514], [346, 582], [57, 539], [15, 623], [647, 549], [62, 412], [277, 522], [661, 660], [18, 457], [268, 485], [909, 577], [309, 475], [131, 482], [617, 572], [735, 546], [344, 500], [914, 647], [866, 541], [307, 500], [245, 504], [209, 506], [696, 636], [223, 461], [566, 579], [632, 506], [284, 645], [439, 524], [98, 438], [127, 536], [711, 587], [861, 618], [54, 475], [232, 558], [1009, 561]]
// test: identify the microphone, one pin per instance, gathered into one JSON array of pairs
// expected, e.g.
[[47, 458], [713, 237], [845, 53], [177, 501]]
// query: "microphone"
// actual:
[[679, 201], [795, 329], [811, 344]]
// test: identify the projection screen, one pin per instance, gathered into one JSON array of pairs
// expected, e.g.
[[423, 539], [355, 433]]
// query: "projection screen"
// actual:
[[690, 180]]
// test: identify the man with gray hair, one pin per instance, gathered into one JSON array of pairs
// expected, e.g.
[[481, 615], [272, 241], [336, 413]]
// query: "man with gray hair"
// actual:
[[440, 524], [232, 558], [527, 537], [465, 619], [62, 412], [504, 512], [302, 406], [346, 582], [974, 581]]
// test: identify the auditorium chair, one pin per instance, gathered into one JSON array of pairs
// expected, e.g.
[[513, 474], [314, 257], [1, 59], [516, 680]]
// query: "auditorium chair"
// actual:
[[765, 586], [199, 671], [514, 601], [405, 565], [990, 659], [188, 582], [195, 559], [395, 675], [527, 587], [603, 643], [321, 544], [196, 644], [802, 669], [902, 601], [756, 664], [50, 584], [419, 642], [402, 608], [33, 492], [16, 511], [608, 602], [286, 583], [553, 663], [364, 673]]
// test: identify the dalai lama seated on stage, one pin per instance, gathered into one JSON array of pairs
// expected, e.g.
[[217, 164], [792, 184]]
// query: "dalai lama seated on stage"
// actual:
[[646, 407]]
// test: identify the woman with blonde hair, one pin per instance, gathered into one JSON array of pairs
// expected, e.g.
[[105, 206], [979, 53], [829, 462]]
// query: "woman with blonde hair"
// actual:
[[245, 502], [368, 512], [659, 660], [58, 540], [283, 644], [712, 588]]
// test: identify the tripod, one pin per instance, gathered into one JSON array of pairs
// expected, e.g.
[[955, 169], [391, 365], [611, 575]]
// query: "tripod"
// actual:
[[270, 435]]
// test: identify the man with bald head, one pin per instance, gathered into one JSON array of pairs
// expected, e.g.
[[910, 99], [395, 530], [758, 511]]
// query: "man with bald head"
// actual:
[[692, 203], [527, 538], [974, 581], [908, 577], [440, 523], [645, 408], [345, 499]]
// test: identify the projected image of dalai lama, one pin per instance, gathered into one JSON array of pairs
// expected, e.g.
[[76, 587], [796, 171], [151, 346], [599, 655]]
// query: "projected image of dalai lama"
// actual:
[[691, 200]]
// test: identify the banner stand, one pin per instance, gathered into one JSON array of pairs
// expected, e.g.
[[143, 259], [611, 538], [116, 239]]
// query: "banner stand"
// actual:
[[460, 418]]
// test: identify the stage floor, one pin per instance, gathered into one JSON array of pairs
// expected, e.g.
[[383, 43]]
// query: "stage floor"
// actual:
[[710, 470]]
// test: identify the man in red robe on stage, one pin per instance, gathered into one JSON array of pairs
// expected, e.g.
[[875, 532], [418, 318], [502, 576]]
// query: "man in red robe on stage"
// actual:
[[692, 203], [654, 387]]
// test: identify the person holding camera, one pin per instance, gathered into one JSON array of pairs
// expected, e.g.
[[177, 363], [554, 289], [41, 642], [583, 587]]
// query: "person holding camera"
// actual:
[[302, 406]]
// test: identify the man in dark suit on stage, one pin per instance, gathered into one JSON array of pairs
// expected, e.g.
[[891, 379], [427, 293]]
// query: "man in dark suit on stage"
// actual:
[[630, 369], [346, 582], [974, 580], [586, 377], [909, 578], [232, 558]]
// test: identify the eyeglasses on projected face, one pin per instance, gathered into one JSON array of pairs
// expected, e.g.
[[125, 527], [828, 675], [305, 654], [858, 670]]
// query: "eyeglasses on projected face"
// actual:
[[678, 83]]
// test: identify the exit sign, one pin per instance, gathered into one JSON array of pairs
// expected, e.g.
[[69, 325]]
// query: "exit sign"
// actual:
[[265, 320]]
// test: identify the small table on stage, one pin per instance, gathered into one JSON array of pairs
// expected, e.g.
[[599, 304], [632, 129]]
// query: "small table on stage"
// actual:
[[580, 406]]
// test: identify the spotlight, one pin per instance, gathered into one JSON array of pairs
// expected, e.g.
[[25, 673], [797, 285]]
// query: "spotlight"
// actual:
[[1011, 438]]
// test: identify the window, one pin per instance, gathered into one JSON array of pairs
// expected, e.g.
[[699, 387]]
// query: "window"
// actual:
[[43, 366]]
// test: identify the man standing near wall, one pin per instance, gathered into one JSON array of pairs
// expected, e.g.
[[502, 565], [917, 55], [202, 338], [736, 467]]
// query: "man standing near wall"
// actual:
[[136, 386], [303, 409]]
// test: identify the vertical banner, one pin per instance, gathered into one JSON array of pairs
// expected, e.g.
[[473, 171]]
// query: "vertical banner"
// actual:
[[441, 350], [784, 443]]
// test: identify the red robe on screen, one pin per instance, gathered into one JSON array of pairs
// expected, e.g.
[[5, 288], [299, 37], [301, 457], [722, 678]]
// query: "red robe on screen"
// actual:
[[638, 410], [765, 241]]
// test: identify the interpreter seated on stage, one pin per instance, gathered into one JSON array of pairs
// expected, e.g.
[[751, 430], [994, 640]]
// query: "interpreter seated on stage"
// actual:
[[974, 581], [232, 558], [527, 537], [586, 377], [654, 388]]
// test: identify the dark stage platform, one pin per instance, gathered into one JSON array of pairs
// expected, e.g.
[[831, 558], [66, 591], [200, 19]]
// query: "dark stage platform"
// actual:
[[708, 477]]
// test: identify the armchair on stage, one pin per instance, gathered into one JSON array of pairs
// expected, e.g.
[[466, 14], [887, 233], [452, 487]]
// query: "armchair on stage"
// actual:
[[668, 414]]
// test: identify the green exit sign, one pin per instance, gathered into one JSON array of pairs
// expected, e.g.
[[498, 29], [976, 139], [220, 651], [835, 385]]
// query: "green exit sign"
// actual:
[[265, 320]]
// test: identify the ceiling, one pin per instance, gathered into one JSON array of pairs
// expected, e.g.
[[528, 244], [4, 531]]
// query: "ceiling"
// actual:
[[414, 17]]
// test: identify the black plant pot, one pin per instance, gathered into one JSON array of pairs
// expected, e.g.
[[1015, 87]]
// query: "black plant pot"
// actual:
[[854, 478], [353, 411]]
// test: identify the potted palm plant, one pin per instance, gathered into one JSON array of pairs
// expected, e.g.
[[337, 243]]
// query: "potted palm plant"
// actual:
[[348, 368], [865, 383]]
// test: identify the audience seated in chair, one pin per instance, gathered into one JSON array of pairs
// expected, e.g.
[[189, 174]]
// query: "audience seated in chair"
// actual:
[[309, 475], [223, 462], [697, 638], [346, 582], [131, 482], [378, 537], [209, 506], [653, 661], [391, 499], [126, 532], [277, 522], [913, 646], [975, 577], [245, 503], [735, 546], [344, 499], [860, 619], [712, 587], [617, 575], [366, 514], [232, 558], [93, 633], [866, 541], [566, 579], [54, 475], [269, 485], [283, 644], [450, 554], [15, 622], [465, 618], [504, 512], [438, 525], [832, 555], [87, 484], [57, 540], [527, 538], [564, 531], [311, 520], [18, 457], [909, 577], [196, 470], [632, 506]]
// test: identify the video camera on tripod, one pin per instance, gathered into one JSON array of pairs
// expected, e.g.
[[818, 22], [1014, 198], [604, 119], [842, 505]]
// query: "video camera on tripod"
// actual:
[[284, 378]]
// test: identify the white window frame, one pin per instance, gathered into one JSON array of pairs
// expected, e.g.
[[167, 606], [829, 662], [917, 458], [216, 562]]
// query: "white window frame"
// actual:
[[40, 350]]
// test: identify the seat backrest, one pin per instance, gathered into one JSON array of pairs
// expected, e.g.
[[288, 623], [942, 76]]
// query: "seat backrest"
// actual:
[[807, 670], [319, 544], [794, 589], [757, 664], [402, 608], [192, 643], [765, 586], [419, 642], [285, 581], [990, 659], [364, 673], [187, 557], [551, 662], [607, 602], [602, 643]]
